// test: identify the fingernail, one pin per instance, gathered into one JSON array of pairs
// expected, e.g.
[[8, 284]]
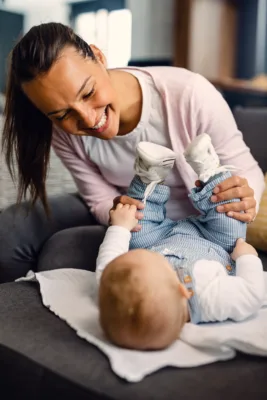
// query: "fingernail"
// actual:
[[220, 208], [230, 214], [216, 190], [141, 206], [213, 198]]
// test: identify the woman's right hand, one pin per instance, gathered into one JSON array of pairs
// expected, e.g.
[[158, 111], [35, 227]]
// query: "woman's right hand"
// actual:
[[128, 200]]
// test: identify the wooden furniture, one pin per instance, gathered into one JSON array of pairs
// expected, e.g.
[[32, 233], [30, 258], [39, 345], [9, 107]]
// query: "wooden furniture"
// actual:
[[205, 36], [221, 40]]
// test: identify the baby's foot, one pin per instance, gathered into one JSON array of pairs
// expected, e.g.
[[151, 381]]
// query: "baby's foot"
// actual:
[[202, 157], [153, 162]]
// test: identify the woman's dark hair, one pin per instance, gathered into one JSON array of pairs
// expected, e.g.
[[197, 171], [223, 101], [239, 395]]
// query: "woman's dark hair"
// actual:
[[27, 132]]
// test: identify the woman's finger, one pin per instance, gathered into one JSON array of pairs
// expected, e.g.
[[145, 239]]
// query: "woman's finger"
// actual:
[[137, 228], [243, 217], [128, 200], [238, 192], [233, 181], [244, 205], [119, 206], [139, 215]]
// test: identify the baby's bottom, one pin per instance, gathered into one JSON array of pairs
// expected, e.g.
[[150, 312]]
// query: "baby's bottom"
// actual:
[[140, 300]]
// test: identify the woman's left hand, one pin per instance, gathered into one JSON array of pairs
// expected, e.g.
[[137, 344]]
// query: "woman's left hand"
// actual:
[[232, 188]]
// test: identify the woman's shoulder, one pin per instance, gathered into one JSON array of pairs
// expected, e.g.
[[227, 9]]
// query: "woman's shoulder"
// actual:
[[168, 72], [170, 75], [177, 81]]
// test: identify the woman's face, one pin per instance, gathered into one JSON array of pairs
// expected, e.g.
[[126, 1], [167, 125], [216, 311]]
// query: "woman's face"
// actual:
[[77, 95]]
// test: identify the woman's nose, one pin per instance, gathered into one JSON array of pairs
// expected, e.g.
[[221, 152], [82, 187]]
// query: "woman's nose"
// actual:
[[86, 117]]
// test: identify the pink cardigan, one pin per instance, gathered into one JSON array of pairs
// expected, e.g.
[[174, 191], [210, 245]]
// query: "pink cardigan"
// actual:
[[193, 106]]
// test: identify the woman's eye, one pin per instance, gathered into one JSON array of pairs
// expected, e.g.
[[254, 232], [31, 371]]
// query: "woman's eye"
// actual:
[[61, 118], [86, 96]]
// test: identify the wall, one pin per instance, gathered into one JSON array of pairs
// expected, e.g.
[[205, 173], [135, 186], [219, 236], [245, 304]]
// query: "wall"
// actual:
[[37, 12], [152, 29], [11, 27], [212, 44], [247, 21], [18, 16], [213, 50], [205, 37], [252, 38]]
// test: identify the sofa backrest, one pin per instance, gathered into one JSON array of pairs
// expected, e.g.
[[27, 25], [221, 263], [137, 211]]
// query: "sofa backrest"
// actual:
[[252, 122]]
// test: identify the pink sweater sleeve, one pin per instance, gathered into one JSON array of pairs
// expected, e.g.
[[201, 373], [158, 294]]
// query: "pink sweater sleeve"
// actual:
[[95, 190], [210, 114]]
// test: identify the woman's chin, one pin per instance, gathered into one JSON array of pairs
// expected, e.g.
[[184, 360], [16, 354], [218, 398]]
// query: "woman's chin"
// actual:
[[108, 134]]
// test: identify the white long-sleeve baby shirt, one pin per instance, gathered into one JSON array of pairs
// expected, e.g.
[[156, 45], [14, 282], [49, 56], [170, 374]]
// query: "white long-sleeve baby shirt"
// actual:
[[220, 296]]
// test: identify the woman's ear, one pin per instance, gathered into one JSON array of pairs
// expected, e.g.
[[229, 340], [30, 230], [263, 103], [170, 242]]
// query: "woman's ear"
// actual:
[[99, 55]]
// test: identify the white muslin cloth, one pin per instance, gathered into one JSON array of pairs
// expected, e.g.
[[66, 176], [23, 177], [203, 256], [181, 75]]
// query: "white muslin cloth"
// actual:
[[71, 295]]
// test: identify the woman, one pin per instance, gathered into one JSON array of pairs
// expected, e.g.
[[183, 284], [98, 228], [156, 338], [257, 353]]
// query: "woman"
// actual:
[[60, 92]]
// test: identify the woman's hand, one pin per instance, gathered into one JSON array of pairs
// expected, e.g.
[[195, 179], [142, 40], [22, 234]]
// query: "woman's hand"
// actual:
[[128, 200], [236, 187]]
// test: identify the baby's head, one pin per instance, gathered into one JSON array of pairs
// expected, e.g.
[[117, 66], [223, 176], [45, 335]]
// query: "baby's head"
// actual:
[[142, 303]]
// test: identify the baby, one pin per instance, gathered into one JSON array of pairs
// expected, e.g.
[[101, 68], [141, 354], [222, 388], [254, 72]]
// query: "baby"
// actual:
[[199, 269]]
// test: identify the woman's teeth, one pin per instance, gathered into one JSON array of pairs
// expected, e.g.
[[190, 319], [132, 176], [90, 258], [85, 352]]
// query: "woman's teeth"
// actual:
[[102, 122]]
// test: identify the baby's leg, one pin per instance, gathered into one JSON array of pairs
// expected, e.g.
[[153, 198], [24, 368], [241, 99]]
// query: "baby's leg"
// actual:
[[152, 165], [154, 224], [214, 226]]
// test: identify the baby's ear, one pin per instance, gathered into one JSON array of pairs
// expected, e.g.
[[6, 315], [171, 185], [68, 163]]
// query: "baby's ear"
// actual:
[[184, 292]]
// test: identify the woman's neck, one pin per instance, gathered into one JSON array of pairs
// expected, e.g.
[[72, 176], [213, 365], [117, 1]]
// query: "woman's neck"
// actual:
[[130, 99]]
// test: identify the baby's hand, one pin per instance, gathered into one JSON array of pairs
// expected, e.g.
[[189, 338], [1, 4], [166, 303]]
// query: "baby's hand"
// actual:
[[124, 216], [242, 248]]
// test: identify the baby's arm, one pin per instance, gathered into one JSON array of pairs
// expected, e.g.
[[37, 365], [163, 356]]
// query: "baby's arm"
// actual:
[[116, 243], [117, 238], [237, 297]]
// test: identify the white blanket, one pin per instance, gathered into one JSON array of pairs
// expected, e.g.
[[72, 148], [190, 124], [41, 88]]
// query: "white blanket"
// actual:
[[72, 295]]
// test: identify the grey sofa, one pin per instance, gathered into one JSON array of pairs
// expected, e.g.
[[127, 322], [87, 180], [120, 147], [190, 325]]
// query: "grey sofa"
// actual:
[[42, 358]]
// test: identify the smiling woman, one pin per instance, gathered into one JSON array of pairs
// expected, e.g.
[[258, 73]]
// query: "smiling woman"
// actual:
[[61, 93], [84, 105], [41, 80]]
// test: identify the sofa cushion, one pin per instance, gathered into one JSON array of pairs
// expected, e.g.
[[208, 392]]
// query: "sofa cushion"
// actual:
[[252, 122], [257, 232], [42, 357]]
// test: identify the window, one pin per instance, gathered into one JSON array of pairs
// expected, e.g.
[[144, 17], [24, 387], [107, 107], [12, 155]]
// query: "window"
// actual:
[[110, 31]]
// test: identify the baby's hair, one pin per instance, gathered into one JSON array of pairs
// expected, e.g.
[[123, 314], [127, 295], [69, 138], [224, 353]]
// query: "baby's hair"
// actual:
[[120, 301], [135, 314]]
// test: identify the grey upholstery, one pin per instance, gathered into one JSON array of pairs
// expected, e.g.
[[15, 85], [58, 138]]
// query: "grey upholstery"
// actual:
[[253, 124], [42, 358]]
